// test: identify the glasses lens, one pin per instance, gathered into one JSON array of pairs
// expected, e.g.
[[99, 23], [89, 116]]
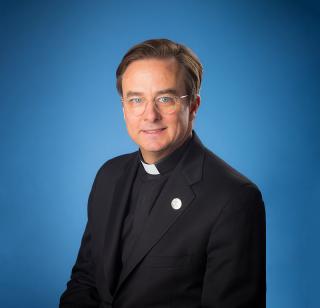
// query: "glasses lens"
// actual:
[[135, 105], [166, 104]]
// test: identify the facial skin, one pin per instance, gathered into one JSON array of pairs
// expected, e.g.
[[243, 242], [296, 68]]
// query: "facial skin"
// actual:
[[158, 135]]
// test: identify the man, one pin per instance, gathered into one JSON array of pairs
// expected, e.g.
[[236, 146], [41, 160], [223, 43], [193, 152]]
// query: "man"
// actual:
[[171, 225]]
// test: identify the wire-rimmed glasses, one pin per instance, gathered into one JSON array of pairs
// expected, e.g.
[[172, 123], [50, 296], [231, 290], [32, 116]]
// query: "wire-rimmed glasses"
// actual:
[[165, 104]]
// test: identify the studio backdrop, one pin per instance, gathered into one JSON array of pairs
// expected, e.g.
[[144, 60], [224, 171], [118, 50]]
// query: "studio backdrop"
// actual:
[[61, 118]]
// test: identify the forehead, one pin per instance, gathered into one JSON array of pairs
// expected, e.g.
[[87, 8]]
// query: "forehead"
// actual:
[[153, 74]]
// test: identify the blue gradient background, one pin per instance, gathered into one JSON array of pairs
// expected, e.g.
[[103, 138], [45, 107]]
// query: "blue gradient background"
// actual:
[[60, 119]]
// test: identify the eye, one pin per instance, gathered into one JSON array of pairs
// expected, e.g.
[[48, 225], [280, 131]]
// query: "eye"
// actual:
[[165, 99], [135, 100]]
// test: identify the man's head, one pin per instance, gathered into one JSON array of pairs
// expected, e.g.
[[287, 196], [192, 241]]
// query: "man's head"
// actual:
[[165, 49], [159, 83]]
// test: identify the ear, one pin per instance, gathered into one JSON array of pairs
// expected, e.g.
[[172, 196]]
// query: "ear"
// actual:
[[194, 107], [124, 115]]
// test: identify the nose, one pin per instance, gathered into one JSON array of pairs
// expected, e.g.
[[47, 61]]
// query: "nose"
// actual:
[[151, 113]]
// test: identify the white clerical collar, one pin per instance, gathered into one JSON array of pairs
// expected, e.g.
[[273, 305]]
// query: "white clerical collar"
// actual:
[[150, 168]]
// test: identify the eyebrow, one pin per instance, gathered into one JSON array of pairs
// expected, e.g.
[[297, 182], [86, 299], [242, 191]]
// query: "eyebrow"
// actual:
[[165, 91], [168, 91], [132, 93]]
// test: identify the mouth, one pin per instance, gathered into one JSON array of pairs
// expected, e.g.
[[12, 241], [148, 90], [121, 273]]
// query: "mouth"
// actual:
[[153, 131]]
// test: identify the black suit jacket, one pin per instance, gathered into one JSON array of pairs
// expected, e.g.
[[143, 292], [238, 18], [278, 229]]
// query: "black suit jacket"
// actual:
[[208, 253]]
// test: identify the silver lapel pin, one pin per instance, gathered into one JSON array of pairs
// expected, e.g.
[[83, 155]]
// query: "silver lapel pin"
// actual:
[[176, 203]]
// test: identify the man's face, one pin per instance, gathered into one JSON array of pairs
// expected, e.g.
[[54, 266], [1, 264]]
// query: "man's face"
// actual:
[[157, 134]]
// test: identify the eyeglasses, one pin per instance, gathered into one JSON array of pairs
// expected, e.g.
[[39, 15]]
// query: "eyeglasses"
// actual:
[[165, 104]]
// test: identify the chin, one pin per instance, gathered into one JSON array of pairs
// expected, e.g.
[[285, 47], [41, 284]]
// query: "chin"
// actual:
[[156, 147], [153, 145], [153, 148]]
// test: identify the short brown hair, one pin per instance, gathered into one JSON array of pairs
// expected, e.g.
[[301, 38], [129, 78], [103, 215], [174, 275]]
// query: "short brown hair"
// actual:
[[162, 49]]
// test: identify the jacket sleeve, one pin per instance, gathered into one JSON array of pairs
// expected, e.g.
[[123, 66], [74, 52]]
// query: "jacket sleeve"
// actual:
[[81, 290], [235, 274]]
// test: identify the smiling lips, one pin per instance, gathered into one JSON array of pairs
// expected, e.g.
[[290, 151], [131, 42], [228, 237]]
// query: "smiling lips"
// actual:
[[153, 131]]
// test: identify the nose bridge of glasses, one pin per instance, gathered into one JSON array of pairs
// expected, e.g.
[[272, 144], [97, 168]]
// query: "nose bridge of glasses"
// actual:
[[152, 103]]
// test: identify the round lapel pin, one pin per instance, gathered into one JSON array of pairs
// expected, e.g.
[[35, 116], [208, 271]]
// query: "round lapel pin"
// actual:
[[176, 203]]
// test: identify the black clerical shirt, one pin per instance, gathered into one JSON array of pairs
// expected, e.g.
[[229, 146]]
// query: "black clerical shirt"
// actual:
[[144, 192]]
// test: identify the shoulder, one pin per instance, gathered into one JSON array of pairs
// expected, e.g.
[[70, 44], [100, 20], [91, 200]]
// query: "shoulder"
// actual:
[[229, 188], [116, 164], [225, 179], [217, 167]]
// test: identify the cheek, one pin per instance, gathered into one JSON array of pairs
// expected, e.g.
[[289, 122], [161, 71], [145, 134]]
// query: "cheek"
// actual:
[[177, 126], [181, 122], [130, 121], [131, 124]]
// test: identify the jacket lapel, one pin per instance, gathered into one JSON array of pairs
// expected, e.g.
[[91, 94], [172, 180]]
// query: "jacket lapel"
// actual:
[[163, 216]]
